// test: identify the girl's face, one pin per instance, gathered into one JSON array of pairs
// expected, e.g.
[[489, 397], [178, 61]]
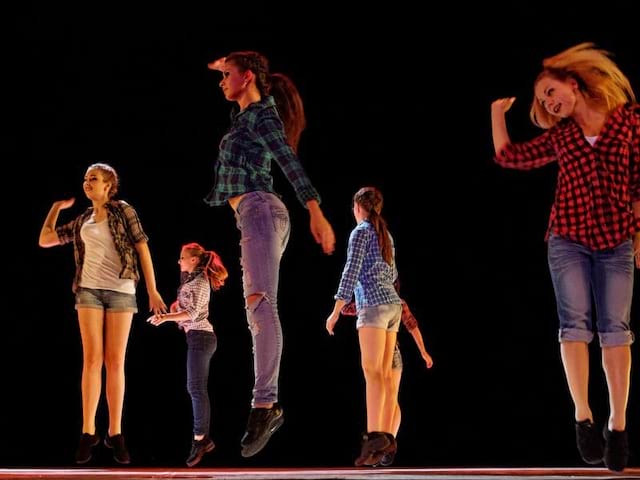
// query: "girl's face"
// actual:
[[94, 186], [187, 262], [233, 82], [557, 97]]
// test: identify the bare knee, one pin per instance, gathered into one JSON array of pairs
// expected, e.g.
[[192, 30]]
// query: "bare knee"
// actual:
[[372, 370], [114, 363], [93, 363]]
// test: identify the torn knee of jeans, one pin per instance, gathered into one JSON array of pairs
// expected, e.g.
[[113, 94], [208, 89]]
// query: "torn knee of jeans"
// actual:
[[252, 302]]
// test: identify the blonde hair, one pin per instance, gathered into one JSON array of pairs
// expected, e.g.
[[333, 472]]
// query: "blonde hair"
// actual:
[[599, 79]]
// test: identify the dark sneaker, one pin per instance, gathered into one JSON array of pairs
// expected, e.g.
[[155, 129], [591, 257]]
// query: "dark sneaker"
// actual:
[[198, 450], [616, 449], [87, 442], [389, 453], [373, 448], [120, 452], [589, 442], [262, 423]]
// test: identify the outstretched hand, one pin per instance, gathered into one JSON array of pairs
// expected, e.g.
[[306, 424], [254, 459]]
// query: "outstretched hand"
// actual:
[[502, 105], [157, 319], [217, 64], [63, 204]]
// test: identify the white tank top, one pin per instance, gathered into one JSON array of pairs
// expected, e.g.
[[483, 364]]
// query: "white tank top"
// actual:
[[102, 265]]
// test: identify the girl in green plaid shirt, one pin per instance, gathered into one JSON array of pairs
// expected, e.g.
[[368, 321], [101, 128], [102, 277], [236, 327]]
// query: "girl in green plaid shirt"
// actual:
[[265, 127]]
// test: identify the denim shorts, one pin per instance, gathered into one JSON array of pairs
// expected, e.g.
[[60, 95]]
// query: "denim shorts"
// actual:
[[386, 317], [108, 300], [584, 278]]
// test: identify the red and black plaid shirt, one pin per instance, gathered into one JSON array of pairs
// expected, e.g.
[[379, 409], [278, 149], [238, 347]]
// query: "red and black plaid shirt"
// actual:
[[596, 184]]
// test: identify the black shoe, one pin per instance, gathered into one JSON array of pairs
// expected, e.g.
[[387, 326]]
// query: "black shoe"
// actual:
[[589, 442], [262, 423], [389, 453], [616, 449], [373, 448], [198, 449], [387, 459], [87, 442], [120, 452]]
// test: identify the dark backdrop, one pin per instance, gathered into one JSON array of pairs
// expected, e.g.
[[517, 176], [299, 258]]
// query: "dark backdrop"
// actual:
[[396, 97]]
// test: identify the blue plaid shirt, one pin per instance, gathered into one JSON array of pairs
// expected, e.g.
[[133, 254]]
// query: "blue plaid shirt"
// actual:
[[365, 273], [255, 138]]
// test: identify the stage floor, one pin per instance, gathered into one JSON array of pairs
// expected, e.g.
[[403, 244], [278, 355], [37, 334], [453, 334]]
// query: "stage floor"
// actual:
[[320, 473]]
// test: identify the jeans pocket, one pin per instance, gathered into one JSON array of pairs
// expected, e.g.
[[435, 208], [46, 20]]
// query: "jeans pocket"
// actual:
[[280, 217]]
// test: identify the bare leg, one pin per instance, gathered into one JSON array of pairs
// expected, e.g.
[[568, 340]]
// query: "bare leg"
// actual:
[[616, 362], [118, 325], [396, 375], [575, 358], [91, 324], [391, 394], [372, 348]]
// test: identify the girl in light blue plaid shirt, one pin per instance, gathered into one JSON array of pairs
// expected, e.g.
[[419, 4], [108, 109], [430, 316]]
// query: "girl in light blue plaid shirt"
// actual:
[[369, 273]]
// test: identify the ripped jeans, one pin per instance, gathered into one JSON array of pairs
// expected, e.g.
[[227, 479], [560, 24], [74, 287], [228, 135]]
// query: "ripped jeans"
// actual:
[[263, 221]]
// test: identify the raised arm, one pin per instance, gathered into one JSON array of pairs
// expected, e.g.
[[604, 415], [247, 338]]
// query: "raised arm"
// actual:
[[48, 236], [499, 123]]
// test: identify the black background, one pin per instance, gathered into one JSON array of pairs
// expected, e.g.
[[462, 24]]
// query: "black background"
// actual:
[[396, 97]]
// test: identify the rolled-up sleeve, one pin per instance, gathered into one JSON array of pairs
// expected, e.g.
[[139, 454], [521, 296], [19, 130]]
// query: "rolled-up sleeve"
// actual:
[[527, 155]]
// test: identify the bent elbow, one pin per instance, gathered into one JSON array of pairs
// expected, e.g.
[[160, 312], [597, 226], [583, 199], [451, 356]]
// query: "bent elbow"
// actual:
[[46, 241]]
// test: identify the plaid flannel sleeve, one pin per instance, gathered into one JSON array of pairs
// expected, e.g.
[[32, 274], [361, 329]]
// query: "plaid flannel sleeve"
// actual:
[[355, 256], [270, 131]]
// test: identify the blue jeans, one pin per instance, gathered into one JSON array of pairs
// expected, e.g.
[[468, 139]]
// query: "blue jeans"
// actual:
[[200, 348], [582, 277], [263, 221]]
